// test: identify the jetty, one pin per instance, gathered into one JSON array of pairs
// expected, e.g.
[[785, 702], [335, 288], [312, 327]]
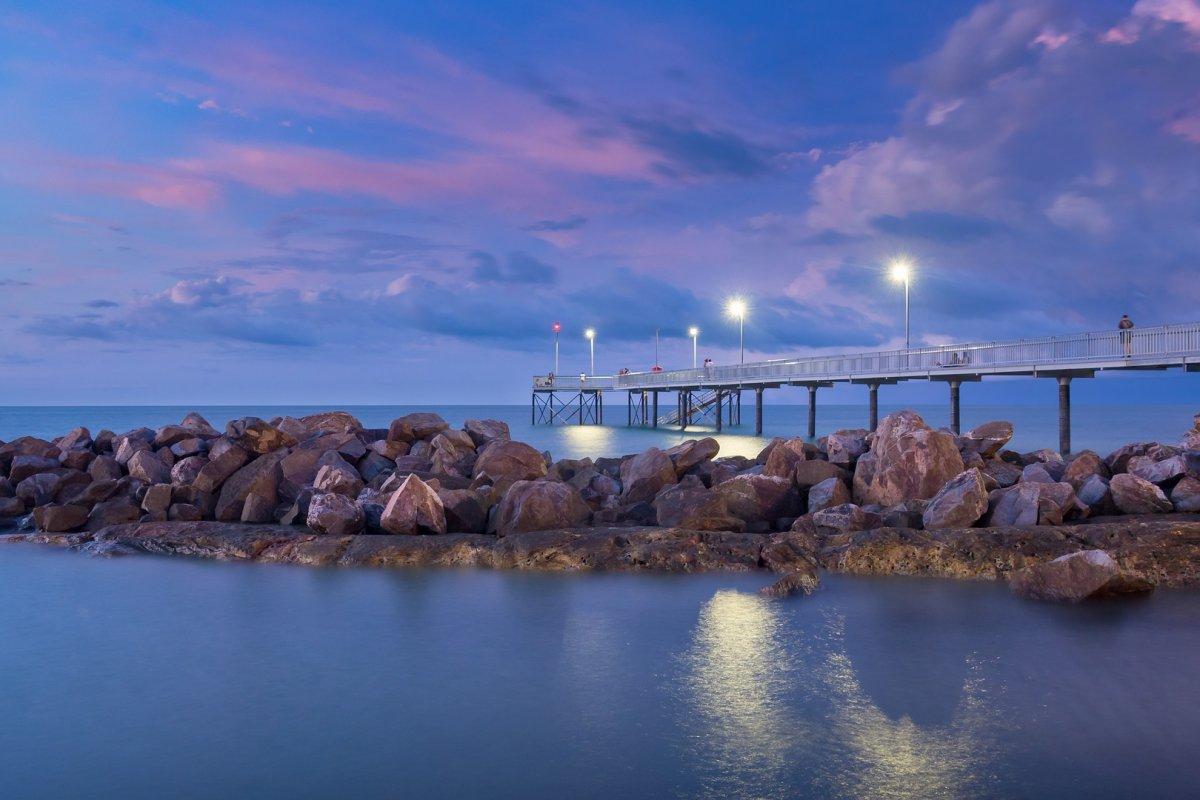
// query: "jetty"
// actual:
[[715, 392]]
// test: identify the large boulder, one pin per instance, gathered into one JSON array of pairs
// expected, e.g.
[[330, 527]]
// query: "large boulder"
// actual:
[[645, 475], [1186, 495], [1083, 466], [59, 519], [417, 426], [77, 439], [219, 468], [689, 504], [784, 456], [759, 499], [147, 467], [114, 511], [846, 446], [1029, 504], [486, 431], [1160, 472], [1191, 439], [810, 473], [25, 465], [466, 510], [260, 477], [846, 518], [1077, 576], [1134, 495], [1036, 473], [908, 460], [690, 453], [414, 508], [1094, 493], [986, 440], [186, 470], [257, 436], [504, 462], [331, 422], [39, 489], [1118, 460], [827, 494], [539, 506], [453, 453], [335, 476], [958, 504], [1002, 472], [334, 514], [802, 580]]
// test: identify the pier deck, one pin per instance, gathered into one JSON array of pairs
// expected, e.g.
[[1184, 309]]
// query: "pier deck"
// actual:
[[1062, 358]]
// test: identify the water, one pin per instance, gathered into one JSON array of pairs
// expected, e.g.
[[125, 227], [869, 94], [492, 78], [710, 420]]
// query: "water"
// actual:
[[150, 677], [1102, 428]]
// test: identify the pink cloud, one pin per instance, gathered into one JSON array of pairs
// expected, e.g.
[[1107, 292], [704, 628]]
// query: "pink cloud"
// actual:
[[1152, 12]]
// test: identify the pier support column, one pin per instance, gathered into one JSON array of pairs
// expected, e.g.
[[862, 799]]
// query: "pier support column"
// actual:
[[685, 410], [720, 399], [739, 406], [812, 412], [1064, 414], [874, 388], [599, 408], [654, 409], [758, 400], [954, 417]]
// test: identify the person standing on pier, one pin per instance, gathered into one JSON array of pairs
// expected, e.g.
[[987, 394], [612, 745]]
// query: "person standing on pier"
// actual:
[[1126, 328]]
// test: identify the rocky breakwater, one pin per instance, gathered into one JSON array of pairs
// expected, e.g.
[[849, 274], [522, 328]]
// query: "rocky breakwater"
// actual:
[[325, 489]]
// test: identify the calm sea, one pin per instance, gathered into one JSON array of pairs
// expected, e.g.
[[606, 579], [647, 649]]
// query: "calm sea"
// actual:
[[1102, 428], [149, 677]]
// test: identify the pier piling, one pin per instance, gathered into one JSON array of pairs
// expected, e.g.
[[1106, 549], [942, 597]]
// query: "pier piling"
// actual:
[[758, 410], [954, 415], [1064, 414]]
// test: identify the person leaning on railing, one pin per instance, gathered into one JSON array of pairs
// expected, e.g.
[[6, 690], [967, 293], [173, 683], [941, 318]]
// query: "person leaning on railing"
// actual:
[[1125, 326]]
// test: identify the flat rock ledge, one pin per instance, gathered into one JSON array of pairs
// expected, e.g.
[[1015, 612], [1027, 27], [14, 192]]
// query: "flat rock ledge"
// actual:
[[1165, 551]]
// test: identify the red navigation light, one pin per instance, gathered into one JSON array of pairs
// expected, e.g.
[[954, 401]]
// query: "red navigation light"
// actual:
[[556, 327]]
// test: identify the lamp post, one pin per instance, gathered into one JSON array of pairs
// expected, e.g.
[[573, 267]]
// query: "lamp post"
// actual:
[[656, 347], [590, 333], [557, 328], [694, 332], [901, 272], [736, 308]]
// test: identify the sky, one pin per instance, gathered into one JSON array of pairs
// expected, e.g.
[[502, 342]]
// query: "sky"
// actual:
[[392, 202]]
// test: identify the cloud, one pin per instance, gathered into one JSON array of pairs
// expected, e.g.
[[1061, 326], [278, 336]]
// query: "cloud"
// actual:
[[102, 304], [571, 223], [937, 226], [13, 283], [1071, 210], [520, 268]]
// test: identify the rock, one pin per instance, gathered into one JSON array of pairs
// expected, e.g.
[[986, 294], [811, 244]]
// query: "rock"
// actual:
[[157, 499], [331, 422], [25, 465], [219, 468], [826, 494], [1077, 576], [77, 459], [505, 462], [257, 436], [810, 473], [258, 508], [845, 446], [1134, 495], [486, 431], [199, 426], [59, 519], [104, 468], [414, 508], [11, 507], [1093, 492], [146, 467], [690, 453], [713, 473], [466, 511], [76, 439], [645, 475], [688, 504], [784, 456], [907, 460], [958, 504], [184, 512], [1083, 466], [1160, 472], [1186, 495], [1118, 459], [1036, 473], [624, 515], [334, 515], [114, 511], [94, 492], [1191, 439], [373, 465], [453, 453], [846, 517], [259, 477], [1002, 472], [909, 514], [39, 489], [188, 447], [417, 426], [389, 450], [800, 581], [986, 440], [186, 470], [758, 499], [336, 476], [541, 505], [292, 427]]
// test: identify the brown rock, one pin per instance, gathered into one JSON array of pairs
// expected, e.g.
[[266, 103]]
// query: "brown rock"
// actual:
[[186, 470], [258, 508], [1134, 495], [908, 460], [417, 426], [827, 494], [77, 439], [802, 581], [336, 476], [505, 462], [958, 504], [334, 515], [1118, 459], [466, 511], [1083, 466], [810, 473], [645, 475], [114, 511], [39, 489], [257, 436], [846, 517], [690, 453], [146, 467], [540, 505], [59, 519], [1077, 576], [758, 499], [688, 504], [219, 468], [486, 431], [1186, 495], [23, 466], [784, 457], [1160, 472], [157, 499], [1036, 473], [987, 439], [845, 446], [11, 507], [184, 512], [259, 477], [414, 508], [105, 468], [331, 422], [1002, 472]]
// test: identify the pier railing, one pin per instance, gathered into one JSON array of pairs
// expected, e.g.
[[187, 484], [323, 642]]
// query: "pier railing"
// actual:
[[573, 383], [1139, 345]]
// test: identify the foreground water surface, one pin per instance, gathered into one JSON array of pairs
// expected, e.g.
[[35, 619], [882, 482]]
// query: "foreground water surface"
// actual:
[[1100, 427], [146, 678]]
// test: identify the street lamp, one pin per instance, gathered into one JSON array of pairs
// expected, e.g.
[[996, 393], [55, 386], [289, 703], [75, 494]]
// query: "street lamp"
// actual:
[[590, 333], [694, 332], [736, 308], [557, 328], [901, 272]]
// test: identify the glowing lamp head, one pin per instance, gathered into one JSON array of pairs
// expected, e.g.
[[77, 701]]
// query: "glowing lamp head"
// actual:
[[556, 327], [590, 333], [900, 271], [693, 331], [736, 308]]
